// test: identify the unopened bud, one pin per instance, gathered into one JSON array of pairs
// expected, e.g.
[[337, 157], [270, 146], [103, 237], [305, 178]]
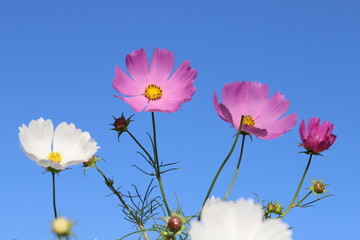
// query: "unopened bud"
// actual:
[[319, 187], [61, 226], [175, 223], [121, 124], [271, 207], [274, 207]]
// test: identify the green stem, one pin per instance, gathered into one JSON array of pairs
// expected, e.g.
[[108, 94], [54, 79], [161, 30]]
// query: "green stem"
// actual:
[[157, 165], [303, 199], [110, 185], [237, 169], [223, 164], [298, 189], [53, 194], [139, 144]]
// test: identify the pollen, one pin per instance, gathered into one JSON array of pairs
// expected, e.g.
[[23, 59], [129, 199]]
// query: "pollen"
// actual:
[[153, 92], [248, 120], [55, 157]]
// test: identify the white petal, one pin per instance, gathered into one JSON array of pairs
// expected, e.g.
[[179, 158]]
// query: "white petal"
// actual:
[[36, 139], [240, 220], [74, 145], [48, 163]]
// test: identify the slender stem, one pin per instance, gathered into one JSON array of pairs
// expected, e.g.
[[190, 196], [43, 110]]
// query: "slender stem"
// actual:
[[223, 164], [237, 169], [53, 194], [157, 165], [139, 144], [110, 185], [298, 189], [303, 199]]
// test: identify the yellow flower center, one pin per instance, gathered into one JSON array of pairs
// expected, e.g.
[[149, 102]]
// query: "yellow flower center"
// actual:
[[55, 157], [248, 120], [153, 92]]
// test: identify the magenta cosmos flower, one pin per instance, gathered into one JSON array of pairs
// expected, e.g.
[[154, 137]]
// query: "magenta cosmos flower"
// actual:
[[261, 114], [153, 89], [318, 137]]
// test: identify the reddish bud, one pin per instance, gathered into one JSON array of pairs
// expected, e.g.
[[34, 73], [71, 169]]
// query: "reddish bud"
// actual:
[[175, 223], [319, 187]]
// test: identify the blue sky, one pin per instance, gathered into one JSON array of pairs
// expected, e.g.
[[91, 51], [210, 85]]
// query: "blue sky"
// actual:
[[57, 61]]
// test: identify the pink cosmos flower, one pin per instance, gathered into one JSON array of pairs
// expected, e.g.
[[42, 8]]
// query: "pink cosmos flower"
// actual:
[[261, 115], [318, 137], [153, 89]]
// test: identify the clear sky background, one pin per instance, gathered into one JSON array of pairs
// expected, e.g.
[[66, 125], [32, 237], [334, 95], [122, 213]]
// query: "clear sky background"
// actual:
[[57, 61]]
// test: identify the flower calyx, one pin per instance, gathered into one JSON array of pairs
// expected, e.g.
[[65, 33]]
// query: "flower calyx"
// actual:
[[121, 124]]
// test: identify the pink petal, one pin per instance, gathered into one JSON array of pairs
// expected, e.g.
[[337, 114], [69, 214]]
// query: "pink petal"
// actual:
[[279, 127], [302, 130], [181, 79], [125, 85], [313, 125], [223, 112], [180, 94], [274, 109], [137, 103], [161, 65], [259, 132], [163, 105], [244, 98], [137, 65]]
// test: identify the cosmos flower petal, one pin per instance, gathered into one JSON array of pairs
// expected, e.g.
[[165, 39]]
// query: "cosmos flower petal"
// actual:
[[318, 137], [125, 85], [69, 145], [36, 138], [137, 65], [48, 163], [222, 110], [74, 145], [155, 89], [275, 107], [161, 65], [273, 229], [165, 105], [250, 99], [180, 95], [138, 103], [259, 132], [182, 77], [278, 127], [235, 221], [243, 98]]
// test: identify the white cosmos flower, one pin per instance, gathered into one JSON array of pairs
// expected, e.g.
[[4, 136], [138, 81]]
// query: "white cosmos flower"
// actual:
[[240, 220], [65, 147]]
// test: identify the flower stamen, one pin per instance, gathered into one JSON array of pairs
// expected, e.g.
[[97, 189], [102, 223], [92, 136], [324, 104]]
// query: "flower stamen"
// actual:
[[55, 157], [153, 92], [248, 120]]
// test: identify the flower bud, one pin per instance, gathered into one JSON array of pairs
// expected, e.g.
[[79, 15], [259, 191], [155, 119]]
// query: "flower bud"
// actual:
[[318, 187], [271, 207], [61, 226], [274, 207], [174, 223], [120, 124], [91, 162]]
